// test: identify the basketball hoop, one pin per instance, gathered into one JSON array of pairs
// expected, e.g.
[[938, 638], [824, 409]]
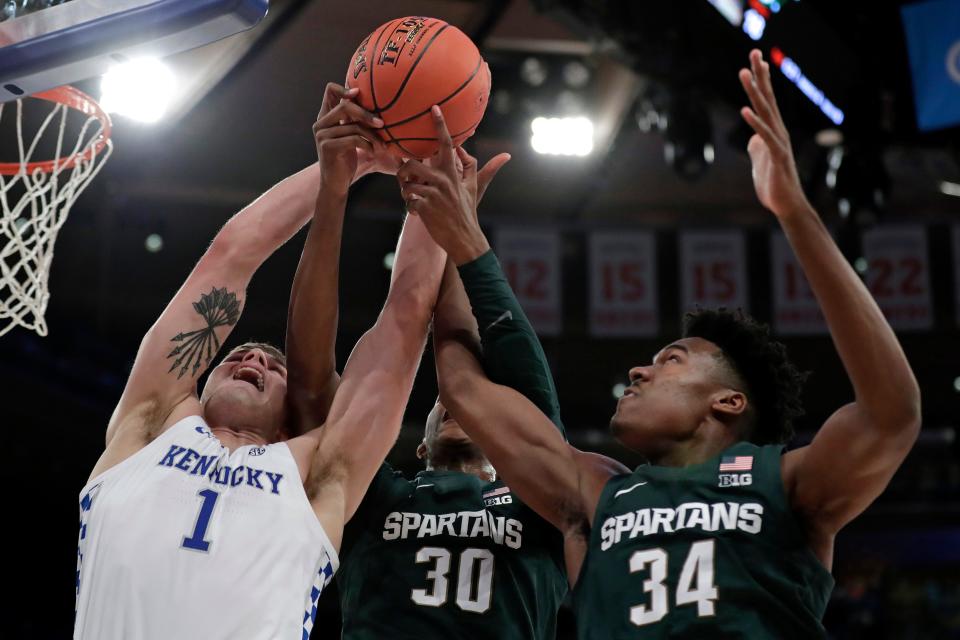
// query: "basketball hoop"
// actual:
[[36, 195]]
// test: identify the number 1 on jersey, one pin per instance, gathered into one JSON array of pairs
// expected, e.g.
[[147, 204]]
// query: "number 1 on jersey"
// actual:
[[195, 540]]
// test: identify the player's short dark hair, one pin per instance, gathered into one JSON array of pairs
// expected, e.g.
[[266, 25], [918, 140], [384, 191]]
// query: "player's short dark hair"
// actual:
[[773, 383], [266, 347]]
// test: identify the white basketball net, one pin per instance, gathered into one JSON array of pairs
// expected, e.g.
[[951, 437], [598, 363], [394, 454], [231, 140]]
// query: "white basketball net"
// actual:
[[35, 204]]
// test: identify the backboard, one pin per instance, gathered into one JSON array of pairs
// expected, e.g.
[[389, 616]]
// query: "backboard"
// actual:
[[48, 43]]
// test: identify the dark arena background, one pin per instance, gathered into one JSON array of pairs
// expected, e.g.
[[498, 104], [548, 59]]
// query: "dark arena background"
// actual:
[[660, 166]]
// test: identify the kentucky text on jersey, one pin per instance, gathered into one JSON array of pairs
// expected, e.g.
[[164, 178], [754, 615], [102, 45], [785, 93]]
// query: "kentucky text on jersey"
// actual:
[[189, 461], [716, 516], [462, 524]]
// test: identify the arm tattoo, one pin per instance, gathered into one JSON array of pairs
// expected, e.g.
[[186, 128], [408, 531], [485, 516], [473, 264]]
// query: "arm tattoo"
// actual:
[[219, 308]]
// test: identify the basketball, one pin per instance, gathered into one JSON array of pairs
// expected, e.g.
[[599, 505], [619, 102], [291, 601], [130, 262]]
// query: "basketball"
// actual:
[[410, 64]]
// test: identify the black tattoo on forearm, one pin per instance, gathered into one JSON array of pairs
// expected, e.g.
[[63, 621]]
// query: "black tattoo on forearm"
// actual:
[[219, 308]]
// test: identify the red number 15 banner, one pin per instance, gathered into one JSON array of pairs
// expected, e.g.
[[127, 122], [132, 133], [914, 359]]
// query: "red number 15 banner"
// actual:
[[623, 284], [713, 270], [898, 275], [531, 261]]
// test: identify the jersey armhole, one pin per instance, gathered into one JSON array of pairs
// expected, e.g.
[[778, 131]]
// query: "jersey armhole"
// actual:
[[305, 501], [156, 443], [601, 503], [791, 518]]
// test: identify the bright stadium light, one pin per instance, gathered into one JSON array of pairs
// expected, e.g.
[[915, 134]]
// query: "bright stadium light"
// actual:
[[950, 188], [153, 243], [562, 136], [754, 24], [140, 89]]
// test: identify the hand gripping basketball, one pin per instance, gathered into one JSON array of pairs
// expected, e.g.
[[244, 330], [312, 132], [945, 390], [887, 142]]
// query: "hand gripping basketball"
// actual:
[[347, 144], [445, 196]]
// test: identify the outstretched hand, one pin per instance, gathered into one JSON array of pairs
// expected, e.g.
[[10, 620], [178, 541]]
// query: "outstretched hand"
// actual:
[[445, 190], [774, 168], [348, 146]]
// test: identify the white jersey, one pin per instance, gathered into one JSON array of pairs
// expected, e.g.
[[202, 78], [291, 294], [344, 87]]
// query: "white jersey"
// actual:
[[186, 540]]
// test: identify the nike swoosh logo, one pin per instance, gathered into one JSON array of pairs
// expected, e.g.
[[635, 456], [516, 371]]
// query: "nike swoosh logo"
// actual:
[[506, 315], [628, 489], [424, 486]]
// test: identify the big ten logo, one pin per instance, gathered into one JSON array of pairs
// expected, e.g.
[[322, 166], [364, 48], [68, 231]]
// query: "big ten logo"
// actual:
[[889, 277], [529, 277], [623, 280], [499, 500], [714, 280], [735, 480], [403, 34], [360, 60]]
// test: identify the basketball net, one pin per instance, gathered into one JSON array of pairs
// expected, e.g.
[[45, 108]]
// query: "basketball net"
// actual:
[[36, 195]]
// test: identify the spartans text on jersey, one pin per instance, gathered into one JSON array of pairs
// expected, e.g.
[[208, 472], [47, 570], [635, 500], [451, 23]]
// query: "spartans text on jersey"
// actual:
[[717, 516], [461, 524]]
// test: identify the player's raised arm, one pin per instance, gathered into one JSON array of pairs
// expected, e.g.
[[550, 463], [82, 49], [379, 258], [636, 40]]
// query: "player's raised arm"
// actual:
[[180, 345], [555, 479], [858, 449], [346, 152], [520, 441], [366, 414], [511, 352]]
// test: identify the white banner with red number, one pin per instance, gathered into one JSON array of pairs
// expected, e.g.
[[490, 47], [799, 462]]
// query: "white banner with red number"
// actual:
[[898, 275], [531, 260], [713, 270], [795, 310], [623, 284]]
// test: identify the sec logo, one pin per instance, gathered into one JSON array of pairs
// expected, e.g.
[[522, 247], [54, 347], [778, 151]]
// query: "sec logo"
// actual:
[[257, 451]]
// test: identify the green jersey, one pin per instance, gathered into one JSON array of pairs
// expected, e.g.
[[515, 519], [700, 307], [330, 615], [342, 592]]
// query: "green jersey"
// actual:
[[707, 551], [447, 555]]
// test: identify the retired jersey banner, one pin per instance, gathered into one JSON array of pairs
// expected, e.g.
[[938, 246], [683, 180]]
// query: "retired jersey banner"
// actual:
[[898, 275], [795, 309], [713, 270], [531, 260], [956, 271], [623, 284]]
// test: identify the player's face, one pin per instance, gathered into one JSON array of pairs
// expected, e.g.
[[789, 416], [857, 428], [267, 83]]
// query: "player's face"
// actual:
[[441, 427], [445, 445], [668, 399], [247, 390]]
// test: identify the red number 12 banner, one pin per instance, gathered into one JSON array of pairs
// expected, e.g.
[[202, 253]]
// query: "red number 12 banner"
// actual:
[[531, 261], [898, 275], [623, 284], [713, 270]]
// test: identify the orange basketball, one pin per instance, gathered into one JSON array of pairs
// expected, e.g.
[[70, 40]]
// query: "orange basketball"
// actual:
[[410, 64]]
